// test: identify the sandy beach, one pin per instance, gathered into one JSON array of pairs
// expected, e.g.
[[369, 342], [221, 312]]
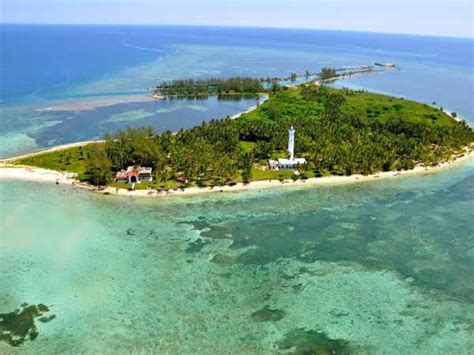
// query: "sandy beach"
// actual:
[[11, 172], [49, 150], [35, 174]]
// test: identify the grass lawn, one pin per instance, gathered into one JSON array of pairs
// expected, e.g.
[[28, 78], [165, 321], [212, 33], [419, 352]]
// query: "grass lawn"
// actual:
[[72, 160], [258, 174], [247, 147]]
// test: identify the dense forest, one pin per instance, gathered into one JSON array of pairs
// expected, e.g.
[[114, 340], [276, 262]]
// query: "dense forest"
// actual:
[[245, 85], [339, 132], [211, 86]]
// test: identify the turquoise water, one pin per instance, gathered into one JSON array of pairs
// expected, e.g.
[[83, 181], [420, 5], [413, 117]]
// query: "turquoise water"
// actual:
[[384, 266], [379, 267], [83, 63], [27, 128]]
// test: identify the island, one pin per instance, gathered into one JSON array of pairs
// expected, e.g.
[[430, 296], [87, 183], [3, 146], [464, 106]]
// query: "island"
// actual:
[[337, 135]]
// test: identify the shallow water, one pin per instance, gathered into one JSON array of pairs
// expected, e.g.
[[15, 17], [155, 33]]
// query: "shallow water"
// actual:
[[28, 128], [379, 267], [101, 62], [382, 267]]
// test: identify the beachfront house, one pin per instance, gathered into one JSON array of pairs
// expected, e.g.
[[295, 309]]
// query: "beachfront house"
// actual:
[[135, 174], [292, 162]]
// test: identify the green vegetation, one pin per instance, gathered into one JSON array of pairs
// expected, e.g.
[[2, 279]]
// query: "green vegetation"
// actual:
[[18, 326], [72, 160], [339, 132], [212, 86], [247, 147], [328, 73], [258, 174]]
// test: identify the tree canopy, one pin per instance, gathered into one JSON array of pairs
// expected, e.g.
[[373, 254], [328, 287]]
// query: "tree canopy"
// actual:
[[339, 132]]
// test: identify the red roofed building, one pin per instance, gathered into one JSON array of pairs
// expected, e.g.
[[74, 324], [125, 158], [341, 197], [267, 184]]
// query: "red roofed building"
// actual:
[[134, 174], [182, 178]]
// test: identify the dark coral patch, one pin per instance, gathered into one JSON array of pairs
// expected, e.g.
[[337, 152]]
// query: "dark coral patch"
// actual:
[[47, 319], [18, 326], [303, 341], [218, 232], [199, 224], [222, 259], [196, 246], [266, 314]]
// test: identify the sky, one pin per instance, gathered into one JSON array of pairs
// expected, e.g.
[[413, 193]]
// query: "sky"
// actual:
[[426, 17]]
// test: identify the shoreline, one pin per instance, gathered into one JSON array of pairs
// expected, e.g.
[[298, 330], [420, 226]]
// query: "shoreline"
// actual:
[[261, 99], [11, 172], [50, 150]]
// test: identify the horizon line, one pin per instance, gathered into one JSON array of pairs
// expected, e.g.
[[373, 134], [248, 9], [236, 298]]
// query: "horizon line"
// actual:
[[241, 27]]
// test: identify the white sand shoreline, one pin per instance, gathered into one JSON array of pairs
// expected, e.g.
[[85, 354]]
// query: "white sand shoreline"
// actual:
[[8, 171], [49, 150], [12, 172]]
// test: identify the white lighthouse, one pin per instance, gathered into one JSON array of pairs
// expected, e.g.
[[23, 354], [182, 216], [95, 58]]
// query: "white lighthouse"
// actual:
[[292, 162], [291, 143]]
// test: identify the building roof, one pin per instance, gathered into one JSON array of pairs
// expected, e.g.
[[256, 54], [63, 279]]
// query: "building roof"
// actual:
[[292, 162], [133, 171]]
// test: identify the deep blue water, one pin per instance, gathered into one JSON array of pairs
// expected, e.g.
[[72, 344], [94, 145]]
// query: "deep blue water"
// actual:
[[38, 62], [45, 65]]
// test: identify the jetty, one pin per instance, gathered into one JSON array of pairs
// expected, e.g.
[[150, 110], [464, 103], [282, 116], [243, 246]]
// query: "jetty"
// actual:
[[386, 65]]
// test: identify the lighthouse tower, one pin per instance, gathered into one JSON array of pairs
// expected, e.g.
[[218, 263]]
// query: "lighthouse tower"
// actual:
[[291, 163], [291, 143]]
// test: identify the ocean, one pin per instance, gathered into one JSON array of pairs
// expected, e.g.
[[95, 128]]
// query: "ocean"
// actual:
[[376, 267]]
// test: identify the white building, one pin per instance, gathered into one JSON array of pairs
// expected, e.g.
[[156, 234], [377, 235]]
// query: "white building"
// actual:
[[292, 162], [134, 174]]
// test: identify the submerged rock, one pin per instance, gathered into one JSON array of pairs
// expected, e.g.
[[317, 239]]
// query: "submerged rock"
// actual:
[[18, 326], [222, 259], [46, 319], [303, 341], [196, 246], [266, 314], [217, 232], [199, 224]]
